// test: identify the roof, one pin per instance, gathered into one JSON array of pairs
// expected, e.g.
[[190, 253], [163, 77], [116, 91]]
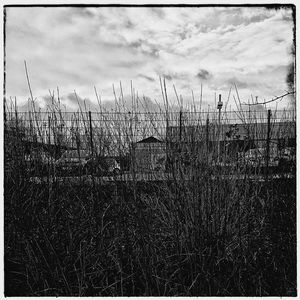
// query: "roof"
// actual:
[[150, 139]]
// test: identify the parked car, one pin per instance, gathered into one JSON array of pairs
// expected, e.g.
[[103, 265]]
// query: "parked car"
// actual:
[[257, 157], [72, 161], [103, 166]]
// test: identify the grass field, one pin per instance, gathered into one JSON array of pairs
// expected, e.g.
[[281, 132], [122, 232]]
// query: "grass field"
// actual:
[[198, 237]]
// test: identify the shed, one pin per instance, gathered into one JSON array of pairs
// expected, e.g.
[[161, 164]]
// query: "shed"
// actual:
[[150, 155]]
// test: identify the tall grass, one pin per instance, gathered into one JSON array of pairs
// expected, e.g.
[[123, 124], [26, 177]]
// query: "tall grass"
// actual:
[[204, 231]]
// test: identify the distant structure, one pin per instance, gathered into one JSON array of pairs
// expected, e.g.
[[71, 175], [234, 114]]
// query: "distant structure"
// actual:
[[238, 137], [150, 155]]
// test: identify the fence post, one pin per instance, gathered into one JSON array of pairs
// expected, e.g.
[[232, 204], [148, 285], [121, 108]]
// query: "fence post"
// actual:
[[49, 128], [91, 133], [17, 123], [207, 134], [268, 143], [180, 125]]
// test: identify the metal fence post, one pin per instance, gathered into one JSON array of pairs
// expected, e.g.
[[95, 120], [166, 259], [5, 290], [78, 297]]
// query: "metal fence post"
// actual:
[[91, 133], [49, 128], [219, 107], [207, 134], [180, 125], [17, 123], [268, 142]]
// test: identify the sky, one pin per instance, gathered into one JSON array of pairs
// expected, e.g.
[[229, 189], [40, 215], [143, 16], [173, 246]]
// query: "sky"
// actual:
[[79, 48]]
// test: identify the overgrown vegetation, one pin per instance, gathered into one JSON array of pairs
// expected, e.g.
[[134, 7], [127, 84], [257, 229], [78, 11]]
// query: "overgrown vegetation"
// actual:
[[208, 230]]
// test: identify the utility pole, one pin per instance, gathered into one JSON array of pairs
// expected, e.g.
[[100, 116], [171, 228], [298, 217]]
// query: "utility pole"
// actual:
[[219, 107]]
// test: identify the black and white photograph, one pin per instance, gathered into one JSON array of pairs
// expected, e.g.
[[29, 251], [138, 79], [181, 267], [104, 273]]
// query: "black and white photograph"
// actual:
[[149, 150]]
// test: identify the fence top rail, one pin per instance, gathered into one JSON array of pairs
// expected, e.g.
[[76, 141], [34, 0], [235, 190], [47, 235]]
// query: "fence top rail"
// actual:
[[151, 112], [204, 114]]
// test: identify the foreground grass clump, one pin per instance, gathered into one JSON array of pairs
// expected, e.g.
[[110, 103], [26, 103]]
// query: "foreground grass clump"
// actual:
[[201, 237]]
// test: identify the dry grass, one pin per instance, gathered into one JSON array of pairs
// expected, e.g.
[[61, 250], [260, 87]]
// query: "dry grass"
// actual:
[[210, 235]]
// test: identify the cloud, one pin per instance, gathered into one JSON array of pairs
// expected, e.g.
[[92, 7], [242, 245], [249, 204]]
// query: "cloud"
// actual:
[[146, 77], [168, 76], [73, 102], [240, 84], [203, 74], [158, 12], [144, 47], [142, 104], [79, 47], [70, 102], [77, 101]]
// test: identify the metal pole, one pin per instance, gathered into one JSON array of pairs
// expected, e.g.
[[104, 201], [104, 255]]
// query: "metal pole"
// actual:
[[91, 133], [180, 125], [219, 135], [16, 116], [92, 170], [49, 128], [207, 134], [220, 104], [268, 143]]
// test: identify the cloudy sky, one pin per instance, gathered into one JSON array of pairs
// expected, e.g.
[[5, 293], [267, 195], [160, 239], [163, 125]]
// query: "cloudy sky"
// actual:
[[77, 48]]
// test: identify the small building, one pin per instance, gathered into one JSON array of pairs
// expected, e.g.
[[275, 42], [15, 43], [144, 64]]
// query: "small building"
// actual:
[[149, 155]]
